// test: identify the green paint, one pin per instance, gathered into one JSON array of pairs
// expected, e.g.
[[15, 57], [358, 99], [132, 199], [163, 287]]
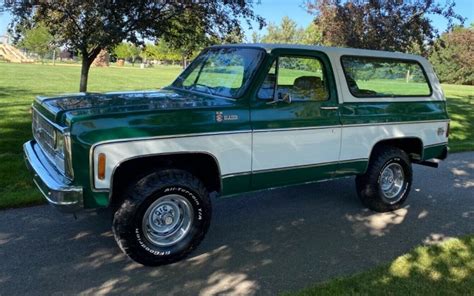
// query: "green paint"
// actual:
[[235, 184], [348, 168], [382, 112], [298, 175], [97, 117], [297, 113], [436, 151]]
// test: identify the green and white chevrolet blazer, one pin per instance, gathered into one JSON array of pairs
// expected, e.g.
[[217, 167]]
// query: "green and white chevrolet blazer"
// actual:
[[240, 118]]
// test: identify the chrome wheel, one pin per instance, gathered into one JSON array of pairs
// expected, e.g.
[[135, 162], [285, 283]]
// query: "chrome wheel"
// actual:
[[391, 182], [168, 220]]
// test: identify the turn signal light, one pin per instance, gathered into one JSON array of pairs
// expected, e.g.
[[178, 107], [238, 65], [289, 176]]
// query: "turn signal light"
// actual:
[[101, 167], [447, 130]]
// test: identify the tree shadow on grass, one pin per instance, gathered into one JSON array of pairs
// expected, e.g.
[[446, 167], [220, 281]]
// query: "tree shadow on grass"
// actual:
[[14, 92], [262, 243], [461, 112], [438, 269]]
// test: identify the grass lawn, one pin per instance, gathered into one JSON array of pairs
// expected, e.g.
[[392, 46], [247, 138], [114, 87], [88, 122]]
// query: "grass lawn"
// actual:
[[427, 270], [445, 269], [20, 83]]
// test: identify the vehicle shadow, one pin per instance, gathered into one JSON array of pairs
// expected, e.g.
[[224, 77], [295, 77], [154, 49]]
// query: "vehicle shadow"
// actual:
[[260, 243]]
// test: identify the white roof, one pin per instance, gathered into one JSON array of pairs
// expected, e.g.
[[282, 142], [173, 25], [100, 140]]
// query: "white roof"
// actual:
[[328, 50]]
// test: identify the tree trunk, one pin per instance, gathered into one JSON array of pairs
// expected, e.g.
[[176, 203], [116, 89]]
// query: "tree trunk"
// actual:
[[184, 61], [87, 60], [86, 65]]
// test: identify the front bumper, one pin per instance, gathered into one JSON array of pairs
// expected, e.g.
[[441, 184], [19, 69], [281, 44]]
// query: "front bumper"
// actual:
[[53, 185]]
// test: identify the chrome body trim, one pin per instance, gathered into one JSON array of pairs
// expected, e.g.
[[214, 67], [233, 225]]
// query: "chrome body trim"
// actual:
[[396, 122], [436, 144], [65, 131], [91, 153], [62, 129], [295, 167], [55, 187], [109, 190]]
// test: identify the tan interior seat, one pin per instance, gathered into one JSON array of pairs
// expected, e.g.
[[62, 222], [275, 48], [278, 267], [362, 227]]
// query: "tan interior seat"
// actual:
[[310, 88]]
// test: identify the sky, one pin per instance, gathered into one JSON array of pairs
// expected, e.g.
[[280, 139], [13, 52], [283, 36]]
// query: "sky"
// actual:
[[274, 10]]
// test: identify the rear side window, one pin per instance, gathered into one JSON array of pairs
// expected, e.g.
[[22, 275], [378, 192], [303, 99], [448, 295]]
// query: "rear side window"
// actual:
[[383, 77]]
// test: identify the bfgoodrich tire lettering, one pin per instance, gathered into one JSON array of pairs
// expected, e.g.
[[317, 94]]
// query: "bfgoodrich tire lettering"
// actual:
[[393, 166], [128, 224]]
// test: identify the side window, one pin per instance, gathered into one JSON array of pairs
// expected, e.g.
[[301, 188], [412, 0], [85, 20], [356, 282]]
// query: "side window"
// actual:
[[297, 78], [384, 77], [267, 90]]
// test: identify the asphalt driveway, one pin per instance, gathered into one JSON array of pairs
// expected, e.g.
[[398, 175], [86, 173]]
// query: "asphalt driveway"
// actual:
[[261, 243]]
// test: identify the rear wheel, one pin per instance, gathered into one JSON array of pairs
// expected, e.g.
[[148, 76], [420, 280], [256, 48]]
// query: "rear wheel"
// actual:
[[163, 217], [386, 184]]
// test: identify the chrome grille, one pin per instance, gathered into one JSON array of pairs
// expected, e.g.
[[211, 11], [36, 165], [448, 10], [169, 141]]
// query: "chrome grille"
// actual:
[[43, 132]]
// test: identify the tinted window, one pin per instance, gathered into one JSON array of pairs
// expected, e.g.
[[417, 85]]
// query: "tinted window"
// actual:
[[300, 78], [380, 77], [221, 71]]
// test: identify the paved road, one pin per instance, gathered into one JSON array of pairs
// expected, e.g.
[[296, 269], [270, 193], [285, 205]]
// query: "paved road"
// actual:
[[262, 243]]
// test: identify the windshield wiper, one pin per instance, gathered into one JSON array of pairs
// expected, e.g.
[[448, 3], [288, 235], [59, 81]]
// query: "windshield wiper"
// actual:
[[208, 89]]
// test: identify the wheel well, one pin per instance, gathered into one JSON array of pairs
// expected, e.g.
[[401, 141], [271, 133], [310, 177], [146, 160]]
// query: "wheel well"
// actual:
[[412, 146], [202, 165]]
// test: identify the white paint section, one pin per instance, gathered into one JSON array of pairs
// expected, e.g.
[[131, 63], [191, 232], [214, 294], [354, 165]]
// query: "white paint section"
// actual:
[[357, 141], [271, 149], [232, 151], [286, 148]]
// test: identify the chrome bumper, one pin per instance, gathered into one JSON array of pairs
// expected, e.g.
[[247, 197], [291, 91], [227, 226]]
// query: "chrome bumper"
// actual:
[[53, 185]]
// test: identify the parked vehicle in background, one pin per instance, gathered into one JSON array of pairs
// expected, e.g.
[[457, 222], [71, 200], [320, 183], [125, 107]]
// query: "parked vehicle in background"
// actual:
[[240, 118]]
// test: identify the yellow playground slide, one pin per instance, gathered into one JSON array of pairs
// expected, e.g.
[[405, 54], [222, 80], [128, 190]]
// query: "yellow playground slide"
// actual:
[[13, 54]]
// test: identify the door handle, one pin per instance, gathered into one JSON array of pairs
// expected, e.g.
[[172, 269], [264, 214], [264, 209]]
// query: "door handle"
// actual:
[[329, 108]]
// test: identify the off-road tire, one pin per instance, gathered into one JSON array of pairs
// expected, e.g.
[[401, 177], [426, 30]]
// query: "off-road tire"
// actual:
[[127, 223], [368, 185]]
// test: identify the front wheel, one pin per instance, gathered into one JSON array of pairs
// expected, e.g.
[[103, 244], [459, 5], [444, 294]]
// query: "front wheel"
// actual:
[[163, 217], [386, 184]]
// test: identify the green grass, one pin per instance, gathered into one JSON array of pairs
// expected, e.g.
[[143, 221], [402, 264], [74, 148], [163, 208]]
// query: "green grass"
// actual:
[[461, 111], [445, 269], [19, 84], [395, 86]]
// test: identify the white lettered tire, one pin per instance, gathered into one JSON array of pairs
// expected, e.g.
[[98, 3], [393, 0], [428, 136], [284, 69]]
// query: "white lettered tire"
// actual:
[[163, 217], [386, 184]]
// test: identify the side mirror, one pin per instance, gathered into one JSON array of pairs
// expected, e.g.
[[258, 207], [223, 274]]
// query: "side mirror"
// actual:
[[286, 97], [281, 97]]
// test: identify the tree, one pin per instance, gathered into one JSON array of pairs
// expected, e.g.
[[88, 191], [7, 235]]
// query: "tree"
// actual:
[[121, 51], [88, 26], [286, 32], [385, 25], [256, 38], [453, 56], [135, 52], [162, 51], [37, 40], [312, 35]]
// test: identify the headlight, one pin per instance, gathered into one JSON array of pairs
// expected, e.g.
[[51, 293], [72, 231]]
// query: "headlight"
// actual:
[[59, 144], [62, 149]]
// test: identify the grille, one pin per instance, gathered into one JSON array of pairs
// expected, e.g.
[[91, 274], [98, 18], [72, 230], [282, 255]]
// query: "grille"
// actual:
[[43, 132]]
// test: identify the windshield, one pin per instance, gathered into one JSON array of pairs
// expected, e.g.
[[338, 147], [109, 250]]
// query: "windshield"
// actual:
[[223, 71]]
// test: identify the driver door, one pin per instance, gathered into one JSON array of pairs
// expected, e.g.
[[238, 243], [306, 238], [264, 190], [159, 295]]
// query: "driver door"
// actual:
[[296, 130]]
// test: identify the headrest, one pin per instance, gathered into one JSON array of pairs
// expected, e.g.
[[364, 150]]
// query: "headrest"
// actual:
[[271, 77], [308, 82]]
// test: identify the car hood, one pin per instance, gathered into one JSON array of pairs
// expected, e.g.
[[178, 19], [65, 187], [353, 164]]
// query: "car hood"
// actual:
[[88, 104]]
